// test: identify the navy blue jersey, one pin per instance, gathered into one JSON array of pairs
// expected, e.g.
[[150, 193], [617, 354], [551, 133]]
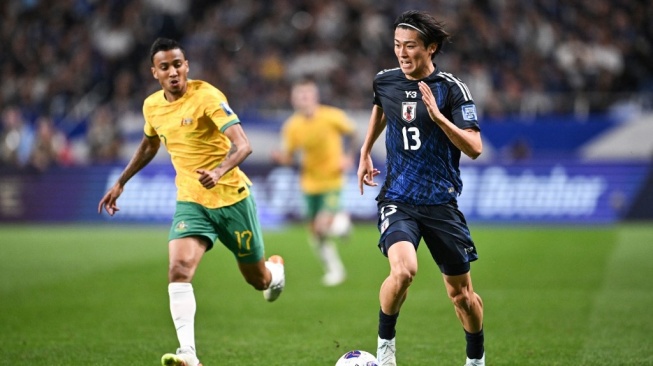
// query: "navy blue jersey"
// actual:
[[422, 165]]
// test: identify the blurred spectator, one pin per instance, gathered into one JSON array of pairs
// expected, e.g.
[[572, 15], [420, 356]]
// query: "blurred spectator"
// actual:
[[103, 137], [65, 58], [479, 81], [111, 34], [50, 146], [16, 138]]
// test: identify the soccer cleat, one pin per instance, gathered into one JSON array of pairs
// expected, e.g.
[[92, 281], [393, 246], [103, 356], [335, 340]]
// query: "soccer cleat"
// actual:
[[181, 358], [476, 362], [385, 352], [275, 265], [334, 269], [334, 278]]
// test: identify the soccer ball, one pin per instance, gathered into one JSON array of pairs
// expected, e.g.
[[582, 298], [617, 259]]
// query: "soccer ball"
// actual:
[[357, 358]]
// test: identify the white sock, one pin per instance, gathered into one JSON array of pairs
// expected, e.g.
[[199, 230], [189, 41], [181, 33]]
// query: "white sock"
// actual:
[[182, 309], [328, 253]]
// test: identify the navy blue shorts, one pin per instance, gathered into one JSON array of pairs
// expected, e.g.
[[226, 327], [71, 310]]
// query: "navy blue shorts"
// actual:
[[443, 228]]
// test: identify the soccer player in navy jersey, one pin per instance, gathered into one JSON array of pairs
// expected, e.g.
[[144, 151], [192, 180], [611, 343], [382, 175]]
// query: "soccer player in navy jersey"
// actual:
[[430, 118]]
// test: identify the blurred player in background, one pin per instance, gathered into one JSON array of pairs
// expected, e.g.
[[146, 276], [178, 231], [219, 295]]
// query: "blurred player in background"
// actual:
[[206, 143], [324, 137], [430, 118]]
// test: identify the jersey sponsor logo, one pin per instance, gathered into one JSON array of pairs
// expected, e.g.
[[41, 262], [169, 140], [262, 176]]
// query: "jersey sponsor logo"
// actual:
[[411, 94], [186, 121], [469, 112], [226, 108], [408, 111]]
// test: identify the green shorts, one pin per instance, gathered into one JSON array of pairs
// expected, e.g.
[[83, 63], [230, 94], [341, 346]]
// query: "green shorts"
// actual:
[[328, 201], [236, 226]]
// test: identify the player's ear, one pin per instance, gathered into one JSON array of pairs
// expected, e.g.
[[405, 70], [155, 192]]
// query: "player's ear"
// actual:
[[432, 48], [154, 72]]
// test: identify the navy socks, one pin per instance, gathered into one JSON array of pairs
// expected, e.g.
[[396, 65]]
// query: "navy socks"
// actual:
[[474, 344], [387, 325]]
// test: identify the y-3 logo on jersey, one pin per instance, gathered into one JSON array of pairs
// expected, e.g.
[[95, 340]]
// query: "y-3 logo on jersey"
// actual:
[[411, 94], [408, 111]]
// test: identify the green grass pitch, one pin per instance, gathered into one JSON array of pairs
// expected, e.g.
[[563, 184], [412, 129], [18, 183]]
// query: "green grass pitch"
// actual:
[[97, 295]]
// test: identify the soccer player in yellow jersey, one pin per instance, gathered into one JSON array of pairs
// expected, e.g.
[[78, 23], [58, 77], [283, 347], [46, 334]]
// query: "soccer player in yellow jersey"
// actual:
[[206, 143], [318, 133]]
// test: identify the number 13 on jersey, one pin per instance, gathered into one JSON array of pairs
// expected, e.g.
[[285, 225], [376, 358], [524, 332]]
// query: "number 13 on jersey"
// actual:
[[411, 138]]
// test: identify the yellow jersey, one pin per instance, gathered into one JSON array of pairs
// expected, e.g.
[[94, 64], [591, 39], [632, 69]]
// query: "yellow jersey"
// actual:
[[319, 141], [192, 130]]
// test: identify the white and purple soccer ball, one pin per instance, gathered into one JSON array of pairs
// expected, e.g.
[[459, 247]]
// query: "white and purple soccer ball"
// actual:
[[357, 358]]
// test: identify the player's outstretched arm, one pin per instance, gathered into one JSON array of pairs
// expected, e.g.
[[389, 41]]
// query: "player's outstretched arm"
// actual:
[[366, 170], [146, 151], [350, 142]]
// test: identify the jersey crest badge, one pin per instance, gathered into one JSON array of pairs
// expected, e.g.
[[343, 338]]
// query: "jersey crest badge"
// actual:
[[408, 111], [181, 227]]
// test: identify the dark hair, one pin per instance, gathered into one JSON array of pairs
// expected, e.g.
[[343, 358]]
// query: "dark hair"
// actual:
[[429, 29], [304, 80], [164, 44]]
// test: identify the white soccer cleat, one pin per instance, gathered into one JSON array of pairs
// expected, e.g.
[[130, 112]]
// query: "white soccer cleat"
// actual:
[[334, 278], [476, 362], [275, 265], [385, 352], [181, 358]]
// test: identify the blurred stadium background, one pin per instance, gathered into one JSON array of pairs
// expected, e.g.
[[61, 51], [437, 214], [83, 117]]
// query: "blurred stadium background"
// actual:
[[564, 89]]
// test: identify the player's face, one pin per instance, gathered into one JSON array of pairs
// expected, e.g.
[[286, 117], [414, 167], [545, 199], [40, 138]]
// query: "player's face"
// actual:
[[171, 70], [414, 59], [304, 98]]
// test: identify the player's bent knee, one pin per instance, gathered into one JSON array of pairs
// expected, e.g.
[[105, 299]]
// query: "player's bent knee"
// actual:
[[403, 276], [180, 271]]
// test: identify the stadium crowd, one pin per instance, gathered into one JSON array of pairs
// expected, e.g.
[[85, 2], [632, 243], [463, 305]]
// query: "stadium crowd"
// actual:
[[80, 69]]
